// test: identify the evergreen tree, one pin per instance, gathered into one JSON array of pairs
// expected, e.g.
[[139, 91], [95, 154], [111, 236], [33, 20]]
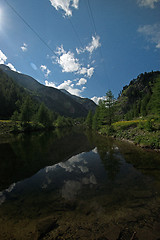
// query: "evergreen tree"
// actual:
[[95, 121], [44, 116], [26, 110], [89, 119], [102, 113], [154, 103], [109, 102]]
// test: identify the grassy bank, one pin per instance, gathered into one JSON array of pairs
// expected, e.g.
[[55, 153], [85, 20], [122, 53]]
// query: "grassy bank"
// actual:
[[6, 126], [143, 132], [9, 126]]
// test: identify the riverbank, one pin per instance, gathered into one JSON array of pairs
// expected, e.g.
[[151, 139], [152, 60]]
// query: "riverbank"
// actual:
[[144, 133], [9, 126]]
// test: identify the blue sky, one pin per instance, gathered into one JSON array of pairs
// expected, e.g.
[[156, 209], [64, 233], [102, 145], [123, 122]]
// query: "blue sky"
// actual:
[[83, 46]]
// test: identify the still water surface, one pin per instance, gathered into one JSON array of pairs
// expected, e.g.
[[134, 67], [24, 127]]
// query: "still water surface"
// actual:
[[77, 185]]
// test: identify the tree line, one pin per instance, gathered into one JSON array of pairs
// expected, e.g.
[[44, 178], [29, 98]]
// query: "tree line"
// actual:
[[104, 114], [140, 99]]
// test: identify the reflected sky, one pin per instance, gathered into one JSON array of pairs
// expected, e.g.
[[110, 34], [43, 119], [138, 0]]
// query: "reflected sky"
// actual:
[[69, 177], [78, 175], [91, 178]]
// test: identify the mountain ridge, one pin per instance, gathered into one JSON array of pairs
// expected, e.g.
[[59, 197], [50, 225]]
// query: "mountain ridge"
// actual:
[[55, 99]]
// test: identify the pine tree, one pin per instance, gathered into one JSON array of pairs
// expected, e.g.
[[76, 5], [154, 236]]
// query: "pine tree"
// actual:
[[154, 104], [109, 102], [44, 116], [89, 119], [95, 121], [26, 110]]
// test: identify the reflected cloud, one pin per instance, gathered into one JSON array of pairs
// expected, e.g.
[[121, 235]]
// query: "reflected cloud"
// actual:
[[71, 188], [69, 177], [90, 180], [2, 198], [95, 150], [83, 169], [3, 193], [75, 163], [12, 186]]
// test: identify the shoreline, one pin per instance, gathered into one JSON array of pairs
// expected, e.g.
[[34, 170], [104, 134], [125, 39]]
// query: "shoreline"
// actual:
[[147, 148]]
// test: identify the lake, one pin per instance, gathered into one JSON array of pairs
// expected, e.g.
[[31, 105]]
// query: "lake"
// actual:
[[75, 184]]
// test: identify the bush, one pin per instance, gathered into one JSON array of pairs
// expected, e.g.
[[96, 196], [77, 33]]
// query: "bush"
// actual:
[[149, 125]]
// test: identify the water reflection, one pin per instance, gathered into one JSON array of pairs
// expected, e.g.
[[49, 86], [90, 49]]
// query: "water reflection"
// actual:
[[26, 154], [75, 175], [68, 177]]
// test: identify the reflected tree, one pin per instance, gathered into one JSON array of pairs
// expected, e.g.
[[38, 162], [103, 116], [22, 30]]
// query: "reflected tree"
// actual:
[[109, 159]]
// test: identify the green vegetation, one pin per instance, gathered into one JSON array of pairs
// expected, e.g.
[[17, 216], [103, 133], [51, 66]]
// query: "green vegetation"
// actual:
[[26, 113], [10, 93], [135, 115], [59, 101], [89, 120]]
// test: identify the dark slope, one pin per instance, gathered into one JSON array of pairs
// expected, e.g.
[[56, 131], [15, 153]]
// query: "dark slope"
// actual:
[[53, 98], [141, 97], [10, 93], [86, 103]]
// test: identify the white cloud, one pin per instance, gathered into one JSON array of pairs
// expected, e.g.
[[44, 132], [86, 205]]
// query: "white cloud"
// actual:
[[10, 65], [80, 50], [69, 63], [75, 3], [96, 99], [90, 72], [45, 70], [93, 45], [81, 81], [147, 3], [83, 71], [50, 84], [24, 47], [65, 5], [60, 50], [3, 57], [152, 33], [67, 85]]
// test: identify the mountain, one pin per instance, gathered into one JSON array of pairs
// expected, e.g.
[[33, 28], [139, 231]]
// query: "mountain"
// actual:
[[10, 93], [86, 103], [141, 97], [54, 99]]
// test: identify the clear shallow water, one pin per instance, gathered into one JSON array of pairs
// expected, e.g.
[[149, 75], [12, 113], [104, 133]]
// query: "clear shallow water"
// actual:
[[75, 185]]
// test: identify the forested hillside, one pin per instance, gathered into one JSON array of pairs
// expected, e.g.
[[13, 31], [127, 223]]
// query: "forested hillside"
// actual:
[[54, 99], [135, 115], [18, 104], [10, 93], [141, 97]]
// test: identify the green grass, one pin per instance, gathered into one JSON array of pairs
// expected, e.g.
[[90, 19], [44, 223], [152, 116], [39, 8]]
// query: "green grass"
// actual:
[[128, 124], [143, 132]]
